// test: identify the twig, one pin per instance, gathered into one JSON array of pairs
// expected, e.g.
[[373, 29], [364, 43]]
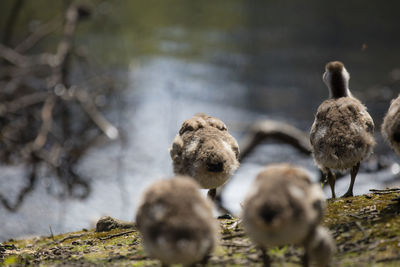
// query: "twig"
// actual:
[[24, 61], [39, 33], [241, 234], [116, 235], [138, 257], [47, 119], [22, 102], [397, 258], [229, 244], [65, 239], [13, 57], [64, 47], [31, 182], [358, 224], [51, 232], [355, 216], [87, 104], [387, 190], [70, 237]]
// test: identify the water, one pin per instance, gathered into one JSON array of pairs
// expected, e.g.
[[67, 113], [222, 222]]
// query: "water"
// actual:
[[241, 61]]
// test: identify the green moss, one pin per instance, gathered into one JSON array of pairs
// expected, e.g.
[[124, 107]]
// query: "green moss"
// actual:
[[10, 260], [366, 229]]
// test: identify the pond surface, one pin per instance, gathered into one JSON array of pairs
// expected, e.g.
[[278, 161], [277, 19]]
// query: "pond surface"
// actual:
[[241, 61]]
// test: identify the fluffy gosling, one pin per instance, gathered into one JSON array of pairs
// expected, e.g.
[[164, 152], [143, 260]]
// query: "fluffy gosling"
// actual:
[[391, 125], [176, 222], [283, 207], [342, 133], [204, 150]]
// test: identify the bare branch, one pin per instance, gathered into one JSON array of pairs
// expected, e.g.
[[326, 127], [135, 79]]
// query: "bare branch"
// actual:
[[31, 182], [87, 104], [13, 57], [47, 119], [39, 33], [22, 102]]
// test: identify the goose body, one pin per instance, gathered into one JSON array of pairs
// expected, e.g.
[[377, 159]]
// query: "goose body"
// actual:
[[342, 133]]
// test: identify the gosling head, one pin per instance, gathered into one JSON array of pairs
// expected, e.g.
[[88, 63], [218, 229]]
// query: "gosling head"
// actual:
[[337, 79], [205, 150]]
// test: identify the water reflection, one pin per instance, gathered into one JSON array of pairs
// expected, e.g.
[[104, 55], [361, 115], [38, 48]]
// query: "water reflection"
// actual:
[[238, 60]]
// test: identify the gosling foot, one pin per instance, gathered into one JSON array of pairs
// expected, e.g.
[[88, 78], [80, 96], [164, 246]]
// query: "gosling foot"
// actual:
[[348, 194]]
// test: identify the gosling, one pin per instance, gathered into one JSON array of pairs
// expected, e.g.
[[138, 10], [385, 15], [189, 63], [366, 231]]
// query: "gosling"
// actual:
[[391, 125], [204, 150], [283, 207], [342, 133], [176, 222]]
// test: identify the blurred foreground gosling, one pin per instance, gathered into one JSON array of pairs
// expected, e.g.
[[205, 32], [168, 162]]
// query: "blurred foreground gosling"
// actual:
[[391, 125], [176, 222], [284, 207], [321, 247], [204, 150], [342, 133]]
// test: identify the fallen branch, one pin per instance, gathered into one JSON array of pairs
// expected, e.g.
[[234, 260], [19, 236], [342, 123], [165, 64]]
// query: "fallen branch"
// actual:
[[269, 129], [65, 239], [116, 235], [384, 191]]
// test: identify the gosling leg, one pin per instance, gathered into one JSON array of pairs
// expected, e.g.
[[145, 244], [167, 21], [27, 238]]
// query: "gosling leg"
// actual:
[[331, 180], [212, 194], [353, 174]]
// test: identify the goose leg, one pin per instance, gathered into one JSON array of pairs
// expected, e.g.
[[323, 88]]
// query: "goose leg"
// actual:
[[331, 180], [353, 174]]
